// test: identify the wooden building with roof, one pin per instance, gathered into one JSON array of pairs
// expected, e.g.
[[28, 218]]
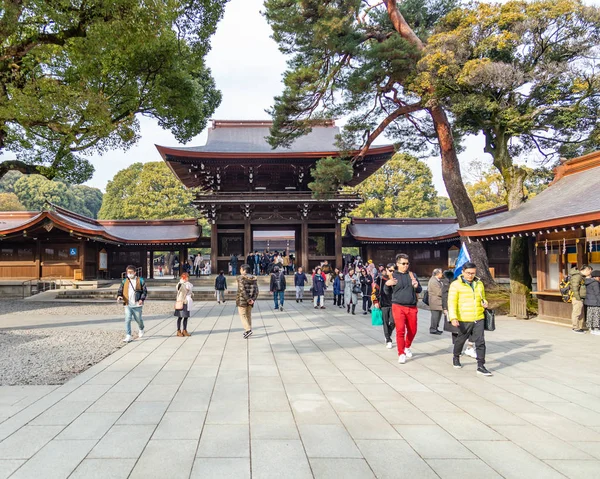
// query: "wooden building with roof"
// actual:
[[58, 243], [563, 224], [246, 187], [430, 242]]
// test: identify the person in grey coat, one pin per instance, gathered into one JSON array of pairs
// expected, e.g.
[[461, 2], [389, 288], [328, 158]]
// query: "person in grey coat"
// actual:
[[351, 298], [436, 299]]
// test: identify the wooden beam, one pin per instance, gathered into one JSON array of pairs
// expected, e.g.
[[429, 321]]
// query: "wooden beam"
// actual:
[[338, 245], [304, 244], [214, 245]]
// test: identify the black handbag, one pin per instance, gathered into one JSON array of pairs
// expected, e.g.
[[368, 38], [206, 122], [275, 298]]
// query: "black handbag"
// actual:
[[449, 327], [356, 289], [489, 320], [426, 298]]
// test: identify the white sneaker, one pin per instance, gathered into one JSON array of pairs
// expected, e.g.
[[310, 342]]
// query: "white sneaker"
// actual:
[[471, 353], [402, 358], [127, 339], [389, 345], [141, 334], [595, 332], [408, 353]]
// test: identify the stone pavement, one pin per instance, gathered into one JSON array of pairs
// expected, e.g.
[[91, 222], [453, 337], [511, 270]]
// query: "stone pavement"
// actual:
[[312, 394]]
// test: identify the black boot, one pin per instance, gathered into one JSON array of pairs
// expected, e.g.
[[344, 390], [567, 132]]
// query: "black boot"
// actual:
[[348, 308], [353, 308]]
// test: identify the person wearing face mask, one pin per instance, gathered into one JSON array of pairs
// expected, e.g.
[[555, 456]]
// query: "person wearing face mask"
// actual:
[[403, 288], [133, 293]]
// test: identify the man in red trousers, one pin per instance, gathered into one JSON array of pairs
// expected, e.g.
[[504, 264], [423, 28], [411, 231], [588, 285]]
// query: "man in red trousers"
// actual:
[[403, 287]]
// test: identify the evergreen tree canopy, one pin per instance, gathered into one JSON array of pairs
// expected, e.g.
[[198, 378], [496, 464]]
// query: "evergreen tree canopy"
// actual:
[[525, 74], [146, 191], [10, 202], [74, 75], [402, 188]]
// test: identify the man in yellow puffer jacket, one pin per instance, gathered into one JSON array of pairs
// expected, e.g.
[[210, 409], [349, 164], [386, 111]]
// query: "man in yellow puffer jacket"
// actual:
[[466, 305]]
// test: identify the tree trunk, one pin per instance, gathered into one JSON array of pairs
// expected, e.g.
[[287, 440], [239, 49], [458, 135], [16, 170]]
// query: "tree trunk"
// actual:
[[513, 178], [465, 213], [520, 276]]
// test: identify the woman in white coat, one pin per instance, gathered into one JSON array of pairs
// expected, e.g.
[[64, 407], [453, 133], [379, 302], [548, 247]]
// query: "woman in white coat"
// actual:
[[184, 298]]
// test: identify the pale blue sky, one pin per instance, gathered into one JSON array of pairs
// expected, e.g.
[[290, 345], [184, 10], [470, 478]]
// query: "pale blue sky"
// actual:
[[247, 68]]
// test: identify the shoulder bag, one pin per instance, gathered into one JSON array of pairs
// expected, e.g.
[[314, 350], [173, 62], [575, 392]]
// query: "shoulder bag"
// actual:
[[178, 304]]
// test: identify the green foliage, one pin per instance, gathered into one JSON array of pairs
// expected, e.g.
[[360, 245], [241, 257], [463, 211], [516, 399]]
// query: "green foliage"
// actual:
[[329, 175], [75, 75], [146, 191], [525, 74], [349, 61], [486, 186], [90, 197], [7, 182], [34, 191], [403, 187], [445, 207], [10, 202]]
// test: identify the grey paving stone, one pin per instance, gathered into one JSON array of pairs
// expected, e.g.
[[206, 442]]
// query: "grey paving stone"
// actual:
[[332, 468], [190, 401], [143, 413], [562, 427], [368, 425], [327, 441], [228, 412], [161, 459], [462, 469], [463, 426], [510, 461], [272, 425], [57, 460], [103, 469], [393, 459], [89, 426], [541, 444], [224, 441], [61, 414], [180, 425], [577, 469], [158, 393], [27, 441], [349, 401], [269, 401], [291, 461], [8, 466], [432, 442], [221, 468], [113, 402], [88, 392], [122, 442]]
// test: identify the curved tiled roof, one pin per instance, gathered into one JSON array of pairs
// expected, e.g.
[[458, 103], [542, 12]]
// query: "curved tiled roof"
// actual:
[[123, 231], [573, 198]]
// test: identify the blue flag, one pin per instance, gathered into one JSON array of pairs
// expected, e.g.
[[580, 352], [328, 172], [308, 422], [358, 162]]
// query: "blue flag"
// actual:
[[463, 257]]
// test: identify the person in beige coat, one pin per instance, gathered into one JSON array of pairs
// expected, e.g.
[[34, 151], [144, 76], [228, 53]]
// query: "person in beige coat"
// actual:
[[435, 289]]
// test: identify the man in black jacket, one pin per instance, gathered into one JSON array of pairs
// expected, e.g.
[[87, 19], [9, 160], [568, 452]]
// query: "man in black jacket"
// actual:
[[221, 287], [132, 292], [404, 287], [277, 287]]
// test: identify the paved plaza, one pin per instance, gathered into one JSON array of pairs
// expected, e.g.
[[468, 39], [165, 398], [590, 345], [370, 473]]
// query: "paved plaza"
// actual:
[[314, 393]]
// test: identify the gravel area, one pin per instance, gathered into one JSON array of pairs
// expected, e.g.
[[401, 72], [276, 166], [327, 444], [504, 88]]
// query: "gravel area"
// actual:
[[52, 356], [16, 306]]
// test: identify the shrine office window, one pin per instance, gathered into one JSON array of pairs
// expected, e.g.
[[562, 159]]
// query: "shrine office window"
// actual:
[[16, 254]]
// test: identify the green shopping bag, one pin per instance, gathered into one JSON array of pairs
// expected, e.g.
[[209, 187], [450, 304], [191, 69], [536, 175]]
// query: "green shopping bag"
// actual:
[[376, 317]]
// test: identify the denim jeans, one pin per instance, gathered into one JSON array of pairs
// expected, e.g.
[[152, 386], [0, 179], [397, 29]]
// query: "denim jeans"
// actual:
[[135, 313], [299, 292], [278, 298], [234, 270], [257, 269]]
